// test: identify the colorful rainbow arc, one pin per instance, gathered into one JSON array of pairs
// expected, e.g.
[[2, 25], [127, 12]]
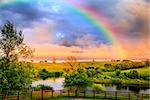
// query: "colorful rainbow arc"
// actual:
[[103, 24]]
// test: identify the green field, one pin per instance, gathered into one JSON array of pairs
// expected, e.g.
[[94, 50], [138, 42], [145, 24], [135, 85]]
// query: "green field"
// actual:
[[107, 76], [61, 66]]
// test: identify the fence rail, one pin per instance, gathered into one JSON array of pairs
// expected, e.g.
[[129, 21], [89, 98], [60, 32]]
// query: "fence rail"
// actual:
[[47, 94]]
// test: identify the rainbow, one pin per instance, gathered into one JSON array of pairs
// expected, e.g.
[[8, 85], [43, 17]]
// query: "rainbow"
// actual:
[[101, 22], [95, 18]]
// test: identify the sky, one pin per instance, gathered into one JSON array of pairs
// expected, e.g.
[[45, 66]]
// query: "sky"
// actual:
[[86, 29]]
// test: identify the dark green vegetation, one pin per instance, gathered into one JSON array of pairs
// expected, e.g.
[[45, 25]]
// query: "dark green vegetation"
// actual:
[[120, 72], [14, 74], [44, 74], [42, 87]]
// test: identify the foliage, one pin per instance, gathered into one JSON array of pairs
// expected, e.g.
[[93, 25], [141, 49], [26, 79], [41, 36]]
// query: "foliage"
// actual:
[[116, 81], [109, 66], [98, 87], [79, 79], [71, 65], [44, 74], [133, 74], [117, 72], [42, 87], [93, 72], [129, 65], [14, 74], [11, 43], [145, 76]]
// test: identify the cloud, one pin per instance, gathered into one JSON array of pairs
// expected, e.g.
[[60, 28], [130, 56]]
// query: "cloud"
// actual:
[[134, 22], [101, 52], [40, 33], [24, 14]]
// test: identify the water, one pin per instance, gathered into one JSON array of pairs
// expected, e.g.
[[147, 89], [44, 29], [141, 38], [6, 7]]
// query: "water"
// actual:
[[57, 84]]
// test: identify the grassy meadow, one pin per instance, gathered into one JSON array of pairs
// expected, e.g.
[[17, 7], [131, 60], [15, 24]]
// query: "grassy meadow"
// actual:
[[60, 66], [106, 76], [52, 67]]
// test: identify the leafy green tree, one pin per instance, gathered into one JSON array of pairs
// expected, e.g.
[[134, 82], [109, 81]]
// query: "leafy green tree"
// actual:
[[43, 74], [77, 80], [117, 72], [14, 74], [93, 73], [98, 87]]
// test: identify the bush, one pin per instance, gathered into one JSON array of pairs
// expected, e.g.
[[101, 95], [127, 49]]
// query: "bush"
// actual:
[[145, 76], [129, 65], [44, 74], [133, 74], [42, 87], [116, 81], [98, 87], [109, 66]]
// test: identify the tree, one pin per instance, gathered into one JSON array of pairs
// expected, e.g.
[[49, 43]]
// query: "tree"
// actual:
[[93, 73], [77, 80], [71, 64], [43, 74], [14, 74], [98, 87]]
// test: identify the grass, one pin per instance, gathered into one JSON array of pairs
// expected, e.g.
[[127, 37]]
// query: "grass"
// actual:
[[60, 66], [140, 70], [49, 66]]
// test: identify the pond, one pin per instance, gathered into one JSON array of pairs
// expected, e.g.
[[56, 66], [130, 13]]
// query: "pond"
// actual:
[[57, 84]]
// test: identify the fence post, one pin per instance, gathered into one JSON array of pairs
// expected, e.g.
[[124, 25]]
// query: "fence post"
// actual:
[[76, 92], [42, 94], [52, 93], [129, 96], [31, 95], [116, 95], [142, 97], [18, 96], [84, 92], [68, 93], [137, 96], [105, 95], [60, 93], [94, 93]]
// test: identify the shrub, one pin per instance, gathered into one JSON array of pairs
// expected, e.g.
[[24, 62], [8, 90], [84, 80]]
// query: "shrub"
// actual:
[[44, 74], [109, 66], [133, 74], [145, 76], [42, 87], [98, 87]]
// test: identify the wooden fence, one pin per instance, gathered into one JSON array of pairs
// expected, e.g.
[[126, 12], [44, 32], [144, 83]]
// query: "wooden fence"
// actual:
[[47, 94]]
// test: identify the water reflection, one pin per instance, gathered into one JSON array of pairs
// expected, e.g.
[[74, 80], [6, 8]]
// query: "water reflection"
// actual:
[[57, 84]]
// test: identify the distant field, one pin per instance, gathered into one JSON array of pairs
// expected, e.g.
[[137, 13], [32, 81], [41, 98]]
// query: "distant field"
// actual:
[[61, 66], [49, 66], [140, 70]]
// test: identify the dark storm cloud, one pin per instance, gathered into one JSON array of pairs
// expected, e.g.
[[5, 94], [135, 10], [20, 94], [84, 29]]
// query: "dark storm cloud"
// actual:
[[23, 14]]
